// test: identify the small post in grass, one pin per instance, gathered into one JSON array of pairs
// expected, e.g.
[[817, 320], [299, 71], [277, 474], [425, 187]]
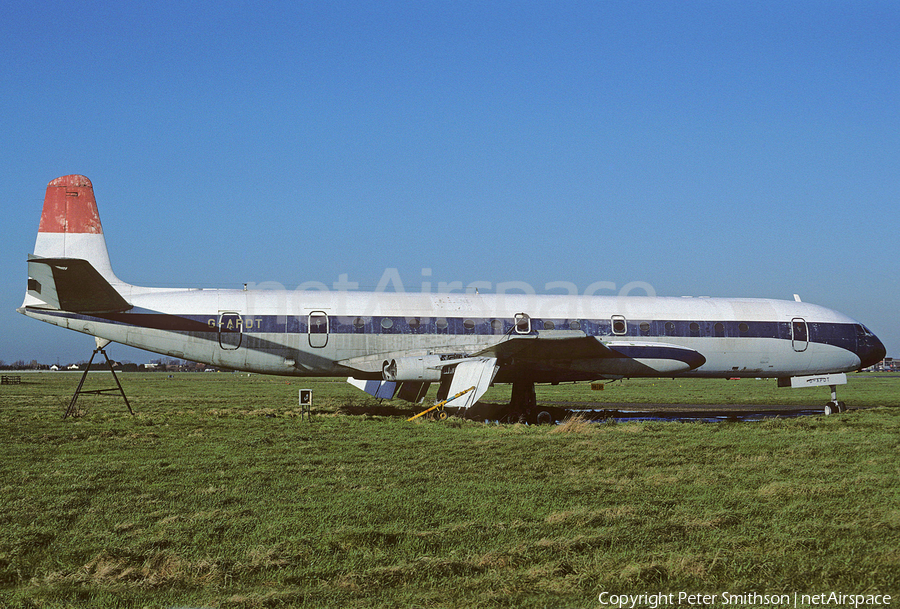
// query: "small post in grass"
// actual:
[[306, 404]]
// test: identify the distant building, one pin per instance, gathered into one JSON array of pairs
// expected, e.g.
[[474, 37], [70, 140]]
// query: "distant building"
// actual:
[[888, 364]]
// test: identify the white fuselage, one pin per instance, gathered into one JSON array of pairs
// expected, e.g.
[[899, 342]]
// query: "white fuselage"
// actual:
[[308, 333]]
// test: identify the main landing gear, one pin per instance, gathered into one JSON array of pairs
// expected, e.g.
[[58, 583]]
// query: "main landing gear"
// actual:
[[522, 401], [523, 405]]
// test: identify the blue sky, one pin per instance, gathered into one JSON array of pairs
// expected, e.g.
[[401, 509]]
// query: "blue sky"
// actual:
[[705, 148]]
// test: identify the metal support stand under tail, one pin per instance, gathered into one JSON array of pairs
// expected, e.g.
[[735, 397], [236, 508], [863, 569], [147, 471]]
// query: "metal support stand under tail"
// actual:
[[101, 343]]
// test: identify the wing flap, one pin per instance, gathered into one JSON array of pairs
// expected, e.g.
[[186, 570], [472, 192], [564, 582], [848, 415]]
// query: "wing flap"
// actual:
[[476, 372], [379, 389]]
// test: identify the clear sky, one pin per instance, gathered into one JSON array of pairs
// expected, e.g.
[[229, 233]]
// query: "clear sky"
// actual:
[[705, 148]]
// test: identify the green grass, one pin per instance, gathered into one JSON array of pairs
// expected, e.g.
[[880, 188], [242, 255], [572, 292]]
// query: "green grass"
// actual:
[[217, 494], [861, 390]]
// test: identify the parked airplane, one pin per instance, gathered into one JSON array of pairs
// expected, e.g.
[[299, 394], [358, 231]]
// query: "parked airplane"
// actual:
[[396, 345]]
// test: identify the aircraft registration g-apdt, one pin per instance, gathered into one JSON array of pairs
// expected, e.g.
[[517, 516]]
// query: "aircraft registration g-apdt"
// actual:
[[397, 344]]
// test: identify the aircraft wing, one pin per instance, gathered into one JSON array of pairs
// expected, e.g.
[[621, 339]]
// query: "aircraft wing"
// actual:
[[563, 349], [552, 344], [619, 357]]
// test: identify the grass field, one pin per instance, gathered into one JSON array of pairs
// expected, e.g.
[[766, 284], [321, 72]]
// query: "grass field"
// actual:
[[217, 494]]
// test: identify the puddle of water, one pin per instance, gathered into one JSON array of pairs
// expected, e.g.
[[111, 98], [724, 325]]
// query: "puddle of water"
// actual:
[[623, 416]]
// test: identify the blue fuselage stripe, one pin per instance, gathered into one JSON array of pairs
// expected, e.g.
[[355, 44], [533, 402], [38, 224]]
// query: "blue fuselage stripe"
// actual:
[[843, 335]]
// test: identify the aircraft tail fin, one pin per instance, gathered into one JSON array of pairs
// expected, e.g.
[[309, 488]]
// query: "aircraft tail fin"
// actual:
[[70, 225]]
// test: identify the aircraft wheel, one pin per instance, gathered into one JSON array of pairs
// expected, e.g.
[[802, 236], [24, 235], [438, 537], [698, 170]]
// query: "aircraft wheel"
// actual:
[[442, 416], [544, 418], [842, 407], [828, 409]]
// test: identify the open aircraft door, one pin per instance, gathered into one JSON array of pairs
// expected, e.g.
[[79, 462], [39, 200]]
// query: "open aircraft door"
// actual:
[[799, 334], [231, 328]]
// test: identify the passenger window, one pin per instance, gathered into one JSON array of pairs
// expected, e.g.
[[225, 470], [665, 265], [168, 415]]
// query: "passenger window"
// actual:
[[523, 323]]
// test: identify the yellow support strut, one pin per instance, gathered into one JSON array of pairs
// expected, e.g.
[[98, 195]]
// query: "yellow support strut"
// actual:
[[440, 405]]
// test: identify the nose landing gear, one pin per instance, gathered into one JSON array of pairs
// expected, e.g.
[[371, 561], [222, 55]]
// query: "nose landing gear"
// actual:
[[834, 405]]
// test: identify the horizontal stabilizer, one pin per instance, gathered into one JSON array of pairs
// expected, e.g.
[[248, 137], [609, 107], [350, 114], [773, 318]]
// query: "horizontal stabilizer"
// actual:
[[72, 284]]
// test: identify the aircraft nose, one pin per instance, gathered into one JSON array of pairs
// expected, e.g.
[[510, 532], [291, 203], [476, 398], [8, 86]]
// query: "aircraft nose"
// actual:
[[869, 349]]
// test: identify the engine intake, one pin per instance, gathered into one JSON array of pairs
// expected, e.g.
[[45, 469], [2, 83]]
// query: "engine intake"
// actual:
[[424, 368]]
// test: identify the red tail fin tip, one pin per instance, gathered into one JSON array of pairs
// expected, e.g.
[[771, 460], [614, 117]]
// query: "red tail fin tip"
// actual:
[[70, 207]]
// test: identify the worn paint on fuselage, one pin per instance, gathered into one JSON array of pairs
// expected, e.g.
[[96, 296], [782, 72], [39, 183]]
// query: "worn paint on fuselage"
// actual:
[[738, 337]]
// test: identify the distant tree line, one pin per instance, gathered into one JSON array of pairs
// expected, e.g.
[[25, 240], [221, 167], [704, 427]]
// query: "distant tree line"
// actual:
[[159, 365]]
